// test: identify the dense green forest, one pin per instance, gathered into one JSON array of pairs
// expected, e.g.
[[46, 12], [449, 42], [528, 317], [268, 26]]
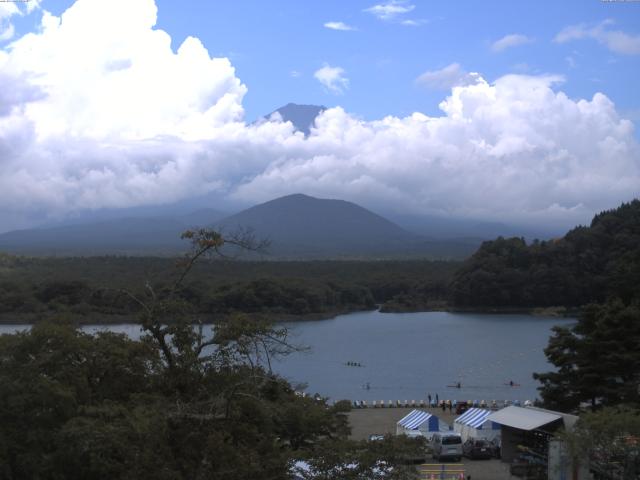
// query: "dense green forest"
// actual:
[[180, 403], [596, 360], [589, 264], [91, 289]]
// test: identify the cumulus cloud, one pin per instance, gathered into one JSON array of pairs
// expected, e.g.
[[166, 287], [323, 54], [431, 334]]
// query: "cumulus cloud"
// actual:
[[615, 40], [509, 41], [450, 76], [332, 78], [131, 85], [339, 26], [513, 149], [101, 120]]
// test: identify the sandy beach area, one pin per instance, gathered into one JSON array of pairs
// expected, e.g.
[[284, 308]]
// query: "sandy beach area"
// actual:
[[371, 421]]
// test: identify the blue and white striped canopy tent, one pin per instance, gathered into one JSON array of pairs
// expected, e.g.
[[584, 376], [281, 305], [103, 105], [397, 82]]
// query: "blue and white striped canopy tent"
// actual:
[[474, 424], [419, 422]]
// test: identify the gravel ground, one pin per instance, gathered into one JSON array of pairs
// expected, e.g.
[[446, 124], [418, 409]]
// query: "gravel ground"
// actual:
[[371, 421]]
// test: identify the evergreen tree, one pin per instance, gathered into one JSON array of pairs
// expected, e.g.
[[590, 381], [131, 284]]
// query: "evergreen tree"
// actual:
[[598, 359]]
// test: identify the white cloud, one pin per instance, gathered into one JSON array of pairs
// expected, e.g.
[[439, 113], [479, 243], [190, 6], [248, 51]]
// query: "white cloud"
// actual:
[[450, 76], [515, 149], [89, 119], [10, 9], [509, 41], [414, 23], [7, 31], [395, 11], [332, 78], [390, 10], [131, 85], [615, 40], [339, 26], [7, 10]]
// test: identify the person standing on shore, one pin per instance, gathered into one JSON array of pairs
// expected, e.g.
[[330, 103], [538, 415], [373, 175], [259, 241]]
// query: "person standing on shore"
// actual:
[[437, 401], [429, 397]]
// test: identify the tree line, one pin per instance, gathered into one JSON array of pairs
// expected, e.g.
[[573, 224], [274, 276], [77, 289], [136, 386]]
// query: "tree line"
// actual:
[[89, 289], [587, 265]]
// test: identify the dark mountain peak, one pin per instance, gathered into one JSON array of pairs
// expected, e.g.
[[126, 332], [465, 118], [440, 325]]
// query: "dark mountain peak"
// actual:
[[311, 209], [299, 224], [298, 198], [302, 117]]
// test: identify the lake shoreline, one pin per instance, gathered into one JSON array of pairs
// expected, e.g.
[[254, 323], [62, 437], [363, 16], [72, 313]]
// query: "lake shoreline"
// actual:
[[558, 311], [117, 319]]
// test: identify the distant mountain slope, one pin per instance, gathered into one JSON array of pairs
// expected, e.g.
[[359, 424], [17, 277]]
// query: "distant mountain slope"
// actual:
[[133, 236], [298, 226], [450, 227], [301, 116]]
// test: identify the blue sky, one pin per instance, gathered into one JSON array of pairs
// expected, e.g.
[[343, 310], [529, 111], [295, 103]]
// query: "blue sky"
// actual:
[[268, 40], [526, 111]]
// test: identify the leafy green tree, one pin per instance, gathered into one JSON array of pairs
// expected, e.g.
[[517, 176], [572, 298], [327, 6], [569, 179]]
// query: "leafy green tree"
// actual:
[[610, 438]]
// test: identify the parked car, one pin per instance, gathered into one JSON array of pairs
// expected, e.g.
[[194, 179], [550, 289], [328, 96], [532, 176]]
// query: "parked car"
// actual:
[[446, 445], [476, 448], [496, 446]]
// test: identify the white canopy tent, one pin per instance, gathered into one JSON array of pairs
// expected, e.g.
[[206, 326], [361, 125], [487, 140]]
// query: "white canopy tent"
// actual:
[[474, 423], [419, 422]]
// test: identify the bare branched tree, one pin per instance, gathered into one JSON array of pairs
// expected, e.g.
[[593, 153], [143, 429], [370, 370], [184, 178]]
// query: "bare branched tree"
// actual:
[[165, 314]]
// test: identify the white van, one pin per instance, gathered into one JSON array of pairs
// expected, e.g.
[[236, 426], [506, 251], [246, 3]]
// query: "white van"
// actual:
[[447, 445]]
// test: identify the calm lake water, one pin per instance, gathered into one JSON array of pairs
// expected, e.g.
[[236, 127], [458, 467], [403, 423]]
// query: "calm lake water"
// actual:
[[405, 356]]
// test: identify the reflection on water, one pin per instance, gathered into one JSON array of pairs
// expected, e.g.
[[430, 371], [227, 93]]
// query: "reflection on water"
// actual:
[[406, 356]]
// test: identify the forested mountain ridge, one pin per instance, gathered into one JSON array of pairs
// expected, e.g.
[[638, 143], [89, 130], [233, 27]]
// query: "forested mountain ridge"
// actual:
[[589, 264]]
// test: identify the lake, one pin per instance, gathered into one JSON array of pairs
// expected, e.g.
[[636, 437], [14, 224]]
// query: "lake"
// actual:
[[405, 356]]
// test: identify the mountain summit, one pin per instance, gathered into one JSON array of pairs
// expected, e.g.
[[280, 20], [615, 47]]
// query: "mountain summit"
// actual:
[[302, 117]]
